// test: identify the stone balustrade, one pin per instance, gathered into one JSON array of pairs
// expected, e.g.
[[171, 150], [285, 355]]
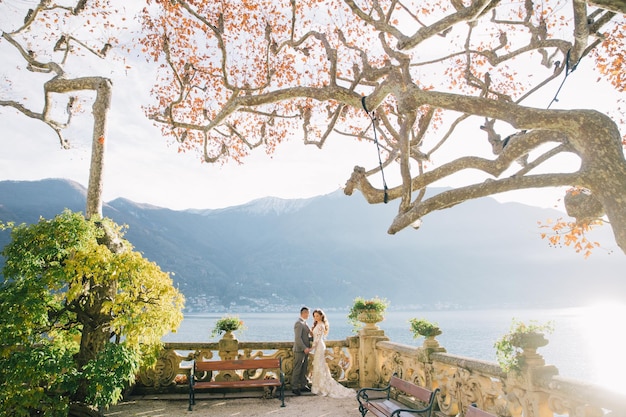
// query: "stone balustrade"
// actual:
[[172, 368], [370, 359]]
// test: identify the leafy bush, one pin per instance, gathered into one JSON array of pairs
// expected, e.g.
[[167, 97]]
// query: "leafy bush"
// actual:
[[78, 319], [422, 327], [110, 373], [509, 347], [360, 304], [227, 324]]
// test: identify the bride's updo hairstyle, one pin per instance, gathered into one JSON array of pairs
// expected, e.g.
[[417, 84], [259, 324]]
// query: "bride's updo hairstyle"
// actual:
[[324, 319]]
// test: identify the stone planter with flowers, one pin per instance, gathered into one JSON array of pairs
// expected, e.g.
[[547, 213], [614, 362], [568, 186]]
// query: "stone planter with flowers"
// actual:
[[228, 344], [369, 311], [428, 330], [227, 325], [518, 348]]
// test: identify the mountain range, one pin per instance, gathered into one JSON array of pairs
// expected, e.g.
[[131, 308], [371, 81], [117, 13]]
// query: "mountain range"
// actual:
[[329, 249]]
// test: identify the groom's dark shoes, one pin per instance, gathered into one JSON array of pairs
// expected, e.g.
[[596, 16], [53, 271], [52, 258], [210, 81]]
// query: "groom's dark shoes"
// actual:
[[296, 391], [305, 389]]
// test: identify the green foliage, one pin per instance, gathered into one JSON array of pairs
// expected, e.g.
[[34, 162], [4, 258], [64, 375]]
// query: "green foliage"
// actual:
[[422, 327], [109, 373], [509, 347], [360, 304], [50, 370], [61, 285], [227, 324]]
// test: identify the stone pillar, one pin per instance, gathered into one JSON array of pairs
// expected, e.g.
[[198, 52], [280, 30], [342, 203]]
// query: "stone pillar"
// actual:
[[431, 345], [525, 396], [369, 335], [228, 347]]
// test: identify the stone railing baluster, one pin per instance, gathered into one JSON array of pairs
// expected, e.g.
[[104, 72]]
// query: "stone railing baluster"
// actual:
[[369, 359]]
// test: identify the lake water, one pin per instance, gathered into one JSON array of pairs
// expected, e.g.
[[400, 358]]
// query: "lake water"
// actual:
[[586, 343]]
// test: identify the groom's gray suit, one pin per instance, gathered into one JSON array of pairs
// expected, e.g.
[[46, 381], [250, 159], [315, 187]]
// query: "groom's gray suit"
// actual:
[[302, 341]]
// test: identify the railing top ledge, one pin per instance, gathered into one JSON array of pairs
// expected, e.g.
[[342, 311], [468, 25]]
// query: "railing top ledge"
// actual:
[[190, 345], [244, 345], [399, 347], [215, 345], [488, 367], [588, 392]]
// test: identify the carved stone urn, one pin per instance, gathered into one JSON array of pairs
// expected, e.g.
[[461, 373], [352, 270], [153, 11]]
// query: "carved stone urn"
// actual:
[[229, 335], [529, 343], [370, 318], [228, 346], [429, 340]]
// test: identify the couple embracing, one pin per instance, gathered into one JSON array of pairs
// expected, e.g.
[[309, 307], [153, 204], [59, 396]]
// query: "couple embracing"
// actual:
[[322, 382]]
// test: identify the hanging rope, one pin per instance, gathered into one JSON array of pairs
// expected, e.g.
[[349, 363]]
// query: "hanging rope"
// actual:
[[372, 116], [568, 71]]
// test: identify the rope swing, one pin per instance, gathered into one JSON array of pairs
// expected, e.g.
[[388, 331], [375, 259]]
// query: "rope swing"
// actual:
[[372, 116]]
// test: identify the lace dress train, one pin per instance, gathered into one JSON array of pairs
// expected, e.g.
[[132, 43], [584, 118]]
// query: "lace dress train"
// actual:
[[322, 382]]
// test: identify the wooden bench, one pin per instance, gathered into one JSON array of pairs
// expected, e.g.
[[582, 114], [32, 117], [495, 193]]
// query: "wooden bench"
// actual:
[[384, 406], [473, 411], [224, 379]]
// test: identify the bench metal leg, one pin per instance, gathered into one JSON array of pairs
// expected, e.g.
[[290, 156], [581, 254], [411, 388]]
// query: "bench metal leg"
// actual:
[[192, 399], [282, 395]]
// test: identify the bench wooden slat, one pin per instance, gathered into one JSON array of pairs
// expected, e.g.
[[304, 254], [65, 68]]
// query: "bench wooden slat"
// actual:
[[377, 409], [416, 391], [385, 407], [245, 383], [237, 365], [473, 411]]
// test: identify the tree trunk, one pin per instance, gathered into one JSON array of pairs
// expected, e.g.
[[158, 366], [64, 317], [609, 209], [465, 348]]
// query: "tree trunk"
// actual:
[[95, 332], [83, 410], [103, 88], [96, 169], [603, 167]]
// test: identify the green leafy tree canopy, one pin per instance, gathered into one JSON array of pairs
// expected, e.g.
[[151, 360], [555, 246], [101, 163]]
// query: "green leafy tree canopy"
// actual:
[[81, 314]]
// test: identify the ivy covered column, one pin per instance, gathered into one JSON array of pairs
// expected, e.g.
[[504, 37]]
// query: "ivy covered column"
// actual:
[[521, 384]]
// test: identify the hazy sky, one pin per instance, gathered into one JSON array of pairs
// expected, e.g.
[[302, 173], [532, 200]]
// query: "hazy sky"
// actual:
[[140, 166]]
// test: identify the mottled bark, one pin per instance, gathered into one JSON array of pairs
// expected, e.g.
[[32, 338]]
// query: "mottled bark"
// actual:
[[593, 136], [98, 146], [100, 109], [59, 84], [618, 6]]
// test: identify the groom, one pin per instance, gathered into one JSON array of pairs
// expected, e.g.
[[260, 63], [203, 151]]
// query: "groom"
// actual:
[[301, 349]]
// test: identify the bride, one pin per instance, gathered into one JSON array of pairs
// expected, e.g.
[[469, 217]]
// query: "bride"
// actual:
[[322, 382]]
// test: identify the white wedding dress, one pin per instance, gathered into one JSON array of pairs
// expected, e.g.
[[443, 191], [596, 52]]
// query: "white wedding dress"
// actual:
[[322, 382]]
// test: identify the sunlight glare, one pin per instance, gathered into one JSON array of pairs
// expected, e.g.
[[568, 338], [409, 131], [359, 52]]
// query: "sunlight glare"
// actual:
[[601, 324]]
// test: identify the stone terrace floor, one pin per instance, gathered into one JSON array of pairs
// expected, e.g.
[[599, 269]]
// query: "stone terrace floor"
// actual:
[[218, 405]]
